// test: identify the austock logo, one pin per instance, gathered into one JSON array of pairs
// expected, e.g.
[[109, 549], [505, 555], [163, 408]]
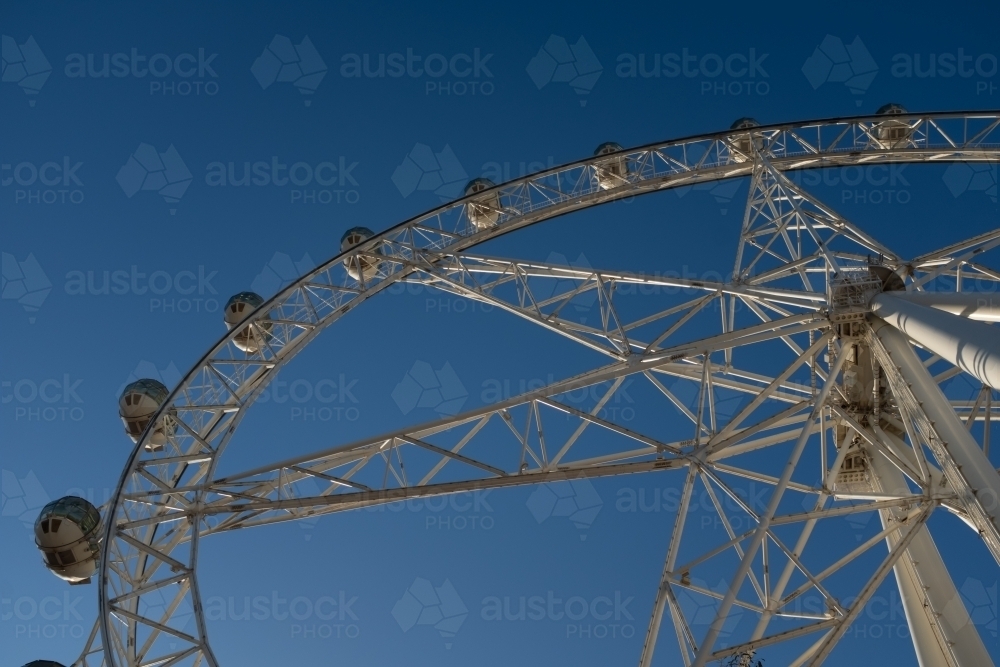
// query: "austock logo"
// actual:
[[304, 394], [962, 177], [25, 65], [155, 605], [169, 376], [24, 282], [559, 62], [42, 619], [182, 75], [148, 170], [283, 62], [618, 409], [335, 178], [321, 617], [575, 499], [731, 512], [52, 182], [21, 497], [948, 65], [723, 193], [868, 185], [981, 603], [700, 608], [732, 74], [424, 387], [502, 172], [834, 62], [48, 400], [463, 511], [425, 170], [582, 304], [280, 272], [195, 289], [459, 74], [724, 400], [436, 606], [599, 617]]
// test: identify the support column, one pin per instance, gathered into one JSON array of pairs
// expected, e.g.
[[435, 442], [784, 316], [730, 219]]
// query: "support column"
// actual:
[[972, 346], [943, 634], [969, 472], [981, 307]]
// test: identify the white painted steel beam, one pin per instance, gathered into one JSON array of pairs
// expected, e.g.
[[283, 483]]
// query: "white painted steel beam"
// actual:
[[943, 634], [972, 346], [981, 307], [960, 457]]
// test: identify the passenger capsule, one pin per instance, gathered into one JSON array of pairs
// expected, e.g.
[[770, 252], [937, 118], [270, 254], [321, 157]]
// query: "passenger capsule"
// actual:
[[44, 663], [68, 533], [483, 212], [249, 339], [611, 172], [359, 266], [745, 142], [137, 405], [893, 133]]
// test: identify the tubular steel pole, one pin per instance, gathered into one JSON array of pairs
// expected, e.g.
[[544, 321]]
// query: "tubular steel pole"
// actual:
[[972, 346], [972, 474], [942, 632], [982, 307]]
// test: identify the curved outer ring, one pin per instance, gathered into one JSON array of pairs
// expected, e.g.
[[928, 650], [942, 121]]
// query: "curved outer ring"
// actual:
[[789, 146]]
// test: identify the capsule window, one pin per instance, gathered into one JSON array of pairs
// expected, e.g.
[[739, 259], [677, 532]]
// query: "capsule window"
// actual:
[[240, 306], [51, 559], [55, 525], [45, 526], [67, 557]]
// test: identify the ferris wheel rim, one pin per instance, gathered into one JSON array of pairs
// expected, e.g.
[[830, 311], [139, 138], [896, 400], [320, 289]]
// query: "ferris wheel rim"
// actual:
[[888, 155], [594, 198]]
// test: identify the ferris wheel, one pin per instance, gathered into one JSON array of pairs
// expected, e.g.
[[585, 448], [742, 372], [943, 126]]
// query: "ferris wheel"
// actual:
[[840, 343]]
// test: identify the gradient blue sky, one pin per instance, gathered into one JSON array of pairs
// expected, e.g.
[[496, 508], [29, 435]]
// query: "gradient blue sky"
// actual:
[[91, 344]]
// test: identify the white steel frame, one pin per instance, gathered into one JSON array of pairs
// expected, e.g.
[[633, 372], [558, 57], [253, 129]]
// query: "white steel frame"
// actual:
[[792, 250]]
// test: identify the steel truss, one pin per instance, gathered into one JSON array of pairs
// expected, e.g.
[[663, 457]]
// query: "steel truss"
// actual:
[[794, 255]]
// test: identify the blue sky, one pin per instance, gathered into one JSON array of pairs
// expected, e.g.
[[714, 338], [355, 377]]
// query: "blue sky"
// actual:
[[68, 199]]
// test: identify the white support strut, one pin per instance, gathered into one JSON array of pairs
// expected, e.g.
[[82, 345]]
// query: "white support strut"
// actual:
[[943, 634], [972, 346], [981, 307], [967, 461]]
